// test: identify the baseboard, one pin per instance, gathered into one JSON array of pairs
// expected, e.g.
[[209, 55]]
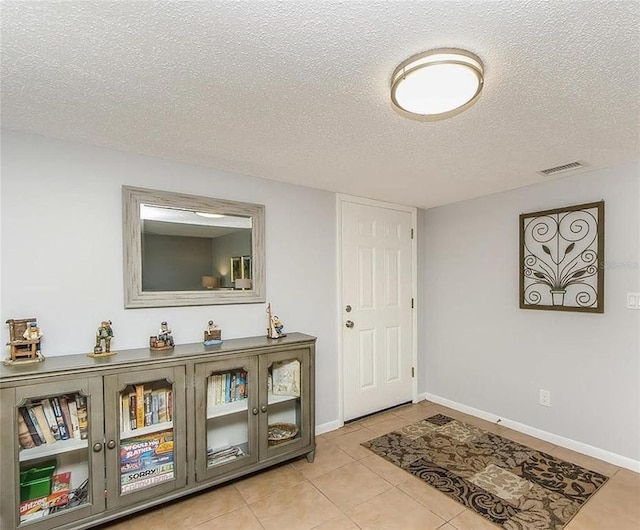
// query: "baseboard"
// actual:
[[328, 427], [595, 452]]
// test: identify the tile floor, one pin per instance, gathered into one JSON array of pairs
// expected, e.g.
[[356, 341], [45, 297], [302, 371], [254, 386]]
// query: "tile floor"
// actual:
[[348, 487]]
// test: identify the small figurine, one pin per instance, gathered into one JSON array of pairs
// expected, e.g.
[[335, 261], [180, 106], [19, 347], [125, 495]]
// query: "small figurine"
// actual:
[[33, 333], [24, 341], [103, 333], [212, 334], [164, 334], [274, 331]]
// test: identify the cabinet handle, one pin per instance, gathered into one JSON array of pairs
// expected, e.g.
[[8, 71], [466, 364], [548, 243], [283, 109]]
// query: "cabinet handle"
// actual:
[[111, 444], [254, 410], [263, 408], [97, 447]]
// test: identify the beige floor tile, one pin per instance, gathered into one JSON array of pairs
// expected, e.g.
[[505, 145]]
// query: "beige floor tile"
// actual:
[[152, 518], [327, 459], [342, 522], [529, 441], [414, 413], [268, 482], [377, 418], [621, 494], [394, 509], [589, 462], [298, 508], [469, 520], [443, 506], [593, 518], [388, 471], [203, 507], [351, 427], [350, 443], [387, 426], [446, 526], [351, 485], [242, 518]]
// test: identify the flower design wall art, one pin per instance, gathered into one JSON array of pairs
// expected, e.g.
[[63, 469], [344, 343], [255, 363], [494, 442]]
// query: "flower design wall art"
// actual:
[[562, 258]]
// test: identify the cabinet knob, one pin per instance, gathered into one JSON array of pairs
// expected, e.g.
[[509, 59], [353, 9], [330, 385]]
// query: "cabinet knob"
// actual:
[[254, 411], [263, 408], [97, 447], [111, 444]]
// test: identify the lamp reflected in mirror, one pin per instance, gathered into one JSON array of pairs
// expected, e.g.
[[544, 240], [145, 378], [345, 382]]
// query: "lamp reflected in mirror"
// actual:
[[210, 282]]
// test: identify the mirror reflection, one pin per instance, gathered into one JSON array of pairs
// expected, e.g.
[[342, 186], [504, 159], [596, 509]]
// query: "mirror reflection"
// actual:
[[183, 250]]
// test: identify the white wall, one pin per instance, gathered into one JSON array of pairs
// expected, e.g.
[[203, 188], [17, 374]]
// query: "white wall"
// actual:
[[479, 349], [61, 250]]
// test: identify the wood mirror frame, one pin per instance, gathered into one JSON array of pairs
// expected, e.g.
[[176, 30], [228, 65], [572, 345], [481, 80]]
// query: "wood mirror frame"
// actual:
[[136, 297]]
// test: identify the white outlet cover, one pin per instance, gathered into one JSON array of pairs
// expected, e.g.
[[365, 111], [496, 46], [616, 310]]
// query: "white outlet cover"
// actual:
[[633, 300]]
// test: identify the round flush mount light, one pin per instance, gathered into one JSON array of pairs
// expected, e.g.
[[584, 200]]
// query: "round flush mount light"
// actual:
[[437, 84]]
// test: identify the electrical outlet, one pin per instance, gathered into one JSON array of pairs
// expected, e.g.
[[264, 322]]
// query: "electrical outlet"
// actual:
[[545, 398], [633, 300]]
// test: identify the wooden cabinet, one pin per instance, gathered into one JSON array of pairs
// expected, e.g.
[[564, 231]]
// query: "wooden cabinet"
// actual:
[[144, 427]]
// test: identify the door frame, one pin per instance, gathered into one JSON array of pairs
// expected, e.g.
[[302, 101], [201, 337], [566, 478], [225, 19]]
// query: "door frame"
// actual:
[[343, 198]]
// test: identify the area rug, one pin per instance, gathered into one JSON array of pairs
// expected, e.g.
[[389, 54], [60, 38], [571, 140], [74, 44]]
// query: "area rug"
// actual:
[[512, 485]]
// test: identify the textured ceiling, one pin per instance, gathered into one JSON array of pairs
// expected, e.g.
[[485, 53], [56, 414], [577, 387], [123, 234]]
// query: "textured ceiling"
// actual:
[[297, 91]]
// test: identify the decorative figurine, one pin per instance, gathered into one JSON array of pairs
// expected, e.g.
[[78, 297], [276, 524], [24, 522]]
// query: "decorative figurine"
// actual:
[[212, 334], [164, 334], [24, 341], [103, 333], [163, 340], [274, 331]]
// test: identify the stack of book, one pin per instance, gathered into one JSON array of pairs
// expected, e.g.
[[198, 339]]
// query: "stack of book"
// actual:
[[144, 406], [226, 388], [220, 456], [53, 419]]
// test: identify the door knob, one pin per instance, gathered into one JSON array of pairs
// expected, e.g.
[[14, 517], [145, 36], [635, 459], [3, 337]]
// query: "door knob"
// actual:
[[349, 323]]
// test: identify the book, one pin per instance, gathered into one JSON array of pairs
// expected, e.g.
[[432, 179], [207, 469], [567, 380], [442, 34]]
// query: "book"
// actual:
[[148, 419], [36, 425], [163, 415], [62, 427], [133, 411], [51, 418], [66, 414], [24, 437], [139, 406], [83, 416], [146, 460], [169, 405], [73, 413], [286, 378], [38, 412], [125, 421], [155, 407]]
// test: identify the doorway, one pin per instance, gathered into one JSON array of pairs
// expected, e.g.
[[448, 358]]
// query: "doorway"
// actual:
[[377, 285]]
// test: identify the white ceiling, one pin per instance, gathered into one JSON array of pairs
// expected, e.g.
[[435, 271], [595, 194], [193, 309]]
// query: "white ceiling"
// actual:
[[297, 91]]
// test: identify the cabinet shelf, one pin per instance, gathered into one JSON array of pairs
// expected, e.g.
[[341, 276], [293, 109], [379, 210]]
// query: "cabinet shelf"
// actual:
[[273, 399], [44, 450], [149, 429], [223, 409]]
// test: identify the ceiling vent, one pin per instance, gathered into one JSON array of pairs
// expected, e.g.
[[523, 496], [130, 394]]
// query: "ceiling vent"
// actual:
[[561, 169]]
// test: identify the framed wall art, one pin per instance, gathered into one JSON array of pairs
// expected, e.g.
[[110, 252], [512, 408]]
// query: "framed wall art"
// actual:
[[562, 259]]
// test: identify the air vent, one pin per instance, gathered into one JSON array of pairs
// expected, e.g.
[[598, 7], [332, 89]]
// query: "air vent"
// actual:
[[561, 169]]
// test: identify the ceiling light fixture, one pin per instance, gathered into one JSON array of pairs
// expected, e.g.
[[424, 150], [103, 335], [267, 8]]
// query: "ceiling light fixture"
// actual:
[[209, 215], [437, 84]]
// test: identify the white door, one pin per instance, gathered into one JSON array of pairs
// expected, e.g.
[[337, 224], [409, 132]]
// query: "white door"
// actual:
[[377, 318]]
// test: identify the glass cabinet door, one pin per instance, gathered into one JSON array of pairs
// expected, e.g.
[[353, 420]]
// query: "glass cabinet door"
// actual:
[[56, 426], [287, 412], [226, 401], [147, 410]]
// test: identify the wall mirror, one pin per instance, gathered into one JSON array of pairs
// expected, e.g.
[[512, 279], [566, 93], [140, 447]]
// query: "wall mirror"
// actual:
[[182, 250]]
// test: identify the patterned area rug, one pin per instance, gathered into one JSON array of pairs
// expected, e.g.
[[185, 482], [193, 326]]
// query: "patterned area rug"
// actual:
[[510, 484]]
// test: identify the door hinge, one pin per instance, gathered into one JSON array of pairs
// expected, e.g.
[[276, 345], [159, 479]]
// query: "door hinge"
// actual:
[[413, 372], [412, 233], [412, 303]]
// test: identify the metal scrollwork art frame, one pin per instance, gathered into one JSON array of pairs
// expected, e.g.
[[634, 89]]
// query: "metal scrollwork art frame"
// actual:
[[562, 259]]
